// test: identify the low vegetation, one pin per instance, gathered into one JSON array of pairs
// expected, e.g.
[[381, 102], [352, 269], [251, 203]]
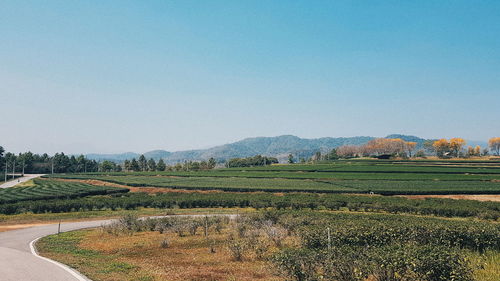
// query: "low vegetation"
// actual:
[[308, 222], [287, 245], [298, 201]]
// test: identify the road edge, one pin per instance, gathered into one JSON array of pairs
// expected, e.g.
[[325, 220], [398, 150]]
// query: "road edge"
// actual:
[[72, 271]]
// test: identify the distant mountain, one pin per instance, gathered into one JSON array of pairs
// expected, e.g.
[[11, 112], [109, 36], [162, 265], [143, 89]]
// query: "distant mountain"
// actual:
[[420, 141], [157, 154], [278, 147], [113, 157]]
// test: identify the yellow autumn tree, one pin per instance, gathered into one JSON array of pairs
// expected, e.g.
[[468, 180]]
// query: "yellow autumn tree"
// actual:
[[385, 146], [410, 147], [470, 151], [494, 144], [456, 145], [441, 147], [477, 150]]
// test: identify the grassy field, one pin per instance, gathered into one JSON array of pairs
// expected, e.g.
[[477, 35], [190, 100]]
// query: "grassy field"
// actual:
[[361, 176], [284, 246]]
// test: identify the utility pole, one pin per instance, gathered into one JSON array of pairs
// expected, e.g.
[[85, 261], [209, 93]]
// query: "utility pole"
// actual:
[[52, 165], [6, 170], [14, 169], [329, 239], [23, 166]]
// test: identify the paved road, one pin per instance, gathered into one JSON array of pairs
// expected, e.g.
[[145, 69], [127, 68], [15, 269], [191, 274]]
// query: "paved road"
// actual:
[[14, 182], [18, 263]]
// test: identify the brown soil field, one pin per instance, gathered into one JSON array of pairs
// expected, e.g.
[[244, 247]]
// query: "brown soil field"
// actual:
[[138, 189]]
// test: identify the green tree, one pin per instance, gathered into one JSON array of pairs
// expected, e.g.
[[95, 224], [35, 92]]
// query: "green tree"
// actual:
[[332, 155], [290, 159], [161, 165], [151, 165], [126, 165], [81, 164], [143, 163], [107, 166], [2, 160], [134, 165], [317, 156], [211, 163], [61, 163]]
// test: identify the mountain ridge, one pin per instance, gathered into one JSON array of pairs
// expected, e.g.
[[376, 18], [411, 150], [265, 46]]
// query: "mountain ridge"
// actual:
[[279, 146]]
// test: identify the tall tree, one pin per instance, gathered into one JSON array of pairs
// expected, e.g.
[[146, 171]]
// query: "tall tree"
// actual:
[[330, 156], [126, 165], [290, 159], [143, 163], [151, 165], [2, 160], [161, 165], [441, 147], [317, 156], [456, 145], [211, 163], [107, 166], [410, 147], [494, 144], [134, 165]]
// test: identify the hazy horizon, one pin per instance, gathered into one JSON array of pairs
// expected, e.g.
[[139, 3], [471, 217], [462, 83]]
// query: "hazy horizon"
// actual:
[[120, 76], [193, 148]]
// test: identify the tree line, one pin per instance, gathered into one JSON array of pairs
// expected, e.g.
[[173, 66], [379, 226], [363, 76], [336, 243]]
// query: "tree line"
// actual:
[[257, 160], [442, 148], [32, 163], [143, 164], [29, 162]]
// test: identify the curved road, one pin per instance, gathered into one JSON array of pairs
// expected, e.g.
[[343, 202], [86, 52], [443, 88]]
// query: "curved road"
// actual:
[[18, 263], [25, 178]]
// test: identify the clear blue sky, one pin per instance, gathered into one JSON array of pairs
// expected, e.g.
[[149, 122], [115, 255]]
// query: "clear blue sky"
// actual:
[[115, 76]]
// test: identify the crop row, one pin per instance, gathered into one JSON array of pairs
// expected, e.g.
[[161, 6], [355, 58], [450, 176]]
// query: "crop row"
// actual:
[[437, 207], [302, 175], [377, 167], [49, 189], [349, 247], [385, 187], [382, 229]]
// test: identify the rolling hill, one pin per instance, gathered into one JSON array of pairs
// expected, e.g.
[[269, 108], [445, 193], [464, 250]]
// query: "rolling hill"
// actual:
[[279, 147]]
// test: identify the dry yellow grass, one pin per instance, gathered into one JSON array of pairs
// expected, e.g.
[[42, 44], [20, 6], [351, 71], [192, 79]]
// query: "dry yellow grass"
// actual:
[[186, 258]]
